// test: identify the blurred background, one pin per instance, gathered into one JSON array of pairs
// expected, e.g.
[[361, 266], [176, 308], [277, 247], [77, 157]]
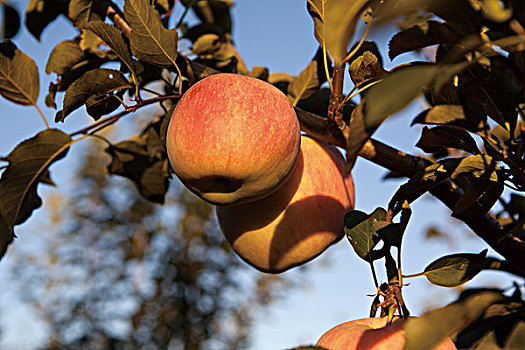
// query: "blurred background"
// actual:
[[97, 267]]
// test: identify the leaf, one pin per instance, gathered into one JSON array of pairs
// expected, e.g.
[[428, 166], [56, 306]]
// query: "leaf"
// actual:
[[83, 11], [441, 115], [6, 236], [386, 97], [334, 22], [11, 22], [416, 38], [456, 269], [424, 180], [517, 337], [63, 57], [479, 198], [150, 41], [28, 162], [94, 83], [19, 79], [114, 38], [39, 13], [357, 136], [214, 12], [99, 105], [495, 11], [143, 160], [309, 81], [429, 330], [435, 139], [361, 230]]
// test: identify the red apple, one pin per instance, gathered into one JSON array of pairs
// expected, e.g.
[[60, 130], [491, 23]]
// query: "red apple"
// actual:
[[300, 220], [370, 334], [233, 139]]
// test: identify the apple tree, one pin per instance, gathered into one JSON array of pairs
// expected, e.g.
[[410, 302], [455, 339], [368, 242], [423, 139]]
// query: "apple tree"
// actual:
[[472, 140]]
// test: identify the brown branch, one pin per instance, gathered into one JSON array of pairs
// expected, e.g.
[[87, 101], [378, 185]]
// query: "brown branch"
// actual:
[[486, 227]]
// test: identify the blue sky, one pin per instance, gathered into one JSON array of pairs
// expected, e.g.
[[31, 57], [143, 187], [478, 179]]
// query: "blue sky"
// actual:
[[277, 34]]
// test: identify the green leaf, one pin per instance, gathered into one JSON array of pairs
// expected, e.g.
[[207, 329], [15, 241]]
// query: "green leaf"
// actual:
[[96, 82], [334, 22], [429, 330], [361, 230], [495, 11], [213, 12], [28, 162], [386, 98], [143, 160], [517, 337], [456, 269], [19, 79], [358, 134], [435, 139], [64, 56], [11, 21], [6, 236], [415, 38], [83, 11], [309, 81], [114, 38], [479, 198], [150, 41], [99, 105], [39, 13]]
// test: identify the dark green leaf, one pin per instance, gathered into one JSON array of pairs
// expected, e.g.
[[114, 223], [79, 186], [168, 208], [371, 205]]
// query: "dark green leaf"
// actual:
[[50, 97], [361, 230], [309, 81], [386, 98], [150, 41], [11, 22], [19, 79], [479, 198], [218, 52], [429, 330], [114, 38], [417, 37], [94, 83], [64, 56], [6, 236], [143, 163], [365, 67], [99, 105], [28, 162], [441, 115], [435, 139], [358, 135], [83, 11], [335, 22], [456, 269], [517, 337], [214, 12], [517, 205], [39, 13]]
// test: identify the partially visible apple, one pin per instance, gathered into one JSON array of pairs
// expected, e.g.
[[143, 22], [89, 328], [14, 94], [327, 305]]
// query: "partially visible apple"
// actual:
[[370, 334], [233, 139], [300, 220]]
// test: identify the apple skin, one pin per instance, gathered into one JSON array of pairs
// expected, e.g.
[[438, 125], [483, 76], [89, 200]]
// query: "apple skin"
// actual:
[[233, 139], [370, 334], [300, 220]]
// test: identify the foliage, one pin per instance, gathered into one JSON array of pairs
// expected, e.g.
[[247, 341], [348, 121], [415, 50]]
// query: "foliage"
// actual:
[[473, 86]]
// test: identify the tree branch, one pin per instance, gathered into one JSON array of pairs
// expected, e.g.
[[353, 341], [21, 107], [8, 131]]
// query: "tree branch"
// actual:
[[486, 227]]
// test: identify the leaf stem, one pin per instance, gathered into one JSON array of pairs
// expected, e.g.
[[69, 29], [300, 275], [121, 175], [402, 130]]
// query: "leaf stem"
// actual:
[[42, 115], [415, 275], [352, 95], [353, 52]]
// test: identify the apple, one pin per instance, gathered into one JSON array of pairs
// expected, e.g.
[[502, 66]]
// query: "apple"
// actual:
[[300, 220], [370, 334], [233, 139]]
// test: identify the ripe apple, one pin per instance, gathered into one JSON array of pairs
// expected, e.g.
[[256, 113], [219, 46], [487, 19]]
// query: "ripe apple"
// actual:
[[370, 334], [233, 139], [300, 220]]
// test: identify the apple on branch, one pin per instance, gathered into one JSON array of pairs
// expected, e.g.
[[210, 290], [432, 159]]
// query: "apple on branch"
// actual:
[[233, 139], [371, 334], [300, 220]]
